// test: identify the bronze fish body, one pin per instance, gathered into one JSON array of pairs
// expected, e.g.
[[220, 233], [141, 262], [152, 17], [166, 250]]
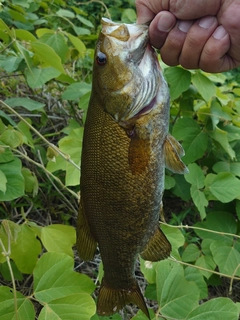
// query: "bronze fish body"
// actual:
[[125, 148]]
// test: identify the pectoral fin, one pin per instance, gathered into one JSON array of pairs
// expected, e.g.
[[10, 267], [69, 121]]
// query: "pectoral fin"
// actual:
[[86, 244], [173, 152], [158, 247]]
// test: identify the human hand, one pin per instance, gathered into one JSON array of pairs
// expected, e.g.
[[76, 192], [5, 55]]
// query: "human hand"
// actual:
[[195, 34]]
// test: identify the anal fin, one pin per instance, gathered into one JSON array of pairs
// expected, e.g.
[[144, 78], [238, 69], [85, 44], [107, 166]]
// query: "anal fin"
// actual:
[[173, 151], [112, 300], [86, 244], [158, 247]]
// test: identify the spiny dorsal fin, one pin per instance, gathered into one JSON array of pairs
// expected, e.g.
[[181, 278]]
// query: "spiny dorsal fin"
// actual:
[[173, 151], [158, 247], [112, 300]]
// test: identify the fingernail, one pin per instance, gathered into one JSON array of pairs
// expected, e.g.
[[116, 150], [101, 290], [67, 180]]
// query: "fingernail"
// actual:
[[219, 33], [206, 22], [165, 23], [184, 26]]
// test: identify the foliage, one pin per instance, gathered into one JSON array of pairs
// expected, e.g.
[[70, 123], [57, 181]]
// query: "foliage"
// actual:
[[46, 58]]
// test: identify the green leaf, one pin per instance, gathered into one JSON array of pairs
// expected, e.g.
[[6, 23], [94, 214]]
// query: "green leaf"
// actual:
[[3, 182], [232, 167], [15, 180], [227, 257], [215, 309], [65, 13], [26, 103], [37, 76], [58, 238], [194, 139], [195, 175], [191, 253], [78, 44], [205, 87], [6, 154], [175, 237], [31, 182], [26, 249], [12, 138], [76, 90], [69, 307], [25, 308], [217, 114], [10, 64], [47, 55], [181, 188], [57, 42], [199, 200], [193, 274], [54, 278], [129, 16], [220, 221], [24, 35], [88, 23], [206, 262], [225, 187], [176, 296], [179, 81], [221, 137], [169, 182]]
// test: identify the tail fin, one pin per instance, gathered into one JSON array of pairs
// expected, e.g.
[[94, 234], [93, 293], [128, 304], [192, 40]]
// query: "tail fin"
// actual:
[[112, 300]]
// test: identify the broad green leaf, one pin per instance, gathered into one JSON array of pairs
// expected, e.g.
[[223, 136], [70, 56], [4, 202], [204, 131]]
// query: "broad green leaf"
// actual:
[[88, 23], [175, 237], [139, 316], [3, 115], [221, 137], [225, 187], [148, 268], [65, 13], [37, 76], [193, 274], [76, 306], [47, 55], [54, 278], [169, 182], [238, 208], [227, 257], [31, 182], [176, 296], [12, 138], [195, 176], [41, 31], [57, 42], [26, 249], [80, 30], [26, 55], [113, 317], [194, 139], [181, 188], [178, 79], [199, 200], [24, 35], [191, 253], [25, 130], [15, 180], [233, 132], [78, 44], [220, 221], [6, 154], [10, 64], [129, 16], [206, 262], [232, 167], [72, 146], [76, 90], [25, 307], [58, 238], [215, 309], [3, 182], [26, 103], [205, 87], [217, 113]]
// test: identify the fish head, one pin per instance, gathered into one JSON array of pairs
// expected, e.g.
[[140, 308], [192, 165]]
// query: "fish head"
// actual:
[[126, 73]]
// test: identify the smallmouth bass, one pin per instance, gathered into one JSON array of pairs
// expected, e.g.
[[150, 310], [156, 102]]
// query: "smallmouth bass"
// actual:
[[126, 147]]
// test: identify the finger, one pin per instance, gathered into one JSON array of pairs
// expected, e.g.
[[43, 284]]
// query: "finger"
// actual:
[[172, 48], [145, 12], [196, 38], [160, 27], [214, 57]]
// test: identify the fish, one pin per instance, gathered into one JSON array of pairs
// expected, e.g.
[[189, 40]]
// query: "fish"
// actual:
[[126, 147]]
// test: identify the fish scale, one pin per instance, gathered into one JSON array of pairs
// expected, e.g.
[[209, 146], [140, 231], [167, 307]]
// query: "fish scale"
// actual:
[[123, 164]]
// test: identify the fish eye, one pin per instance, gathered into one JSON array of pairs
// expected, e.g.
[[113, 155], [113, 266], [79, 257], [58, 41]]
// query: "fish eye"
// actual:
[[101, 58]]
